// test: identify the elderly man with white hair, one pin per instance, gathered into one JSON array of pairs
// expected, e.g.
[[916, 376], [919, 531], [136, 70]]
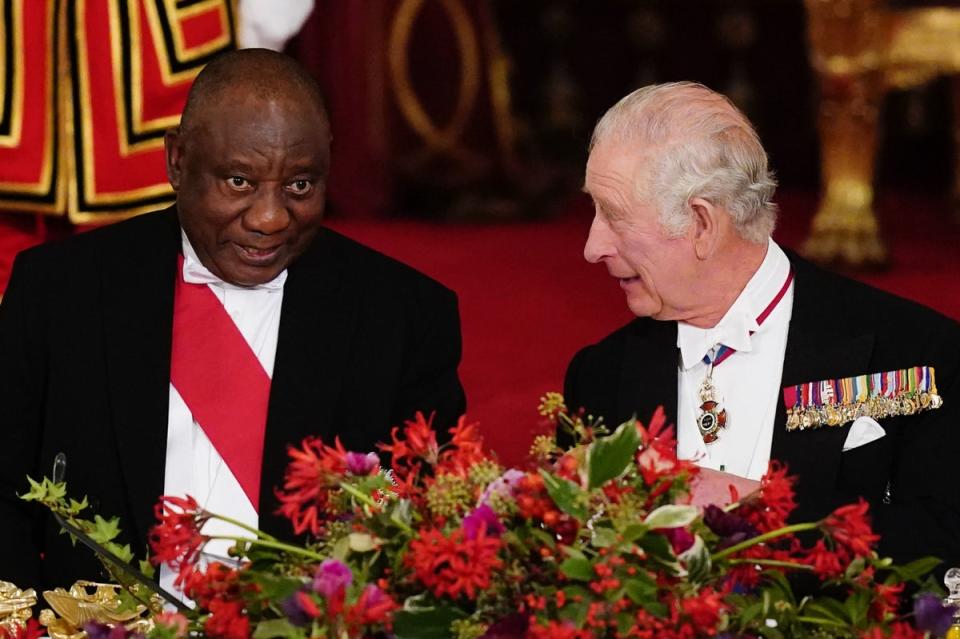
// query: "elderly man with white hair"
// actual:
[[756, 354]]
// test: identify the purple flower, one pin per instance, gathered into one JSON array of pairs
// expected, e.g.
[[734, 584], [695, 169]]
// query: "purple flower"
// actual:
[[680, 539], [510, 627], [361, 464], [300, 609], [504, 485], [332, 578], [97, 630], [931, 615], [482, 518], [732, 529]]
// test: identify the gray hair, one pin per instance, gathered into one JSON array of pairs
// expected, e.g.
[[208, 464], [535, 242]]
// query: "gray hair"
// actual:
[[698, 144]]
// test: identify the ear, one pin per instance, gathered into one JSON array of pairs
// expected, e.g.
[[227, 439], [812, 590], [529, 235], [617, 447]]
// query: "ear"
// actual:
[[706, 227], [173, 146]]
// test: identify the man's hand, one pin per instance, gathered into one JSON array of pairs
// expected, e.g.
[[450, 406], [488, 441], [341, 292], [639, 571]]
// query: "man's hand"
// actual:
[[713, 487]]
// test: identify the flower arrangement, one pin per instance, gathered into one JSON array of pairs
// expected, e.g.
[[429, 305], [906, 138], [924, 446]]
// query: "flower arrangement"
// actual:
[[593, 540]]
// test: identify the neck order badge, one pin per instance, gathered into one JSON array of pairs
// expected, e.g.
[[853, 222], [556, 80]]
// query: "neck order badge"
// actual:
[[713, 416]]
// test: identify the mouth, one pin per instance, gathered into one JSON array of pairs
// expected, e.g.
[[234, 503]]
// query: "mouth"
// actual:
[[627, 281], [257, 256]]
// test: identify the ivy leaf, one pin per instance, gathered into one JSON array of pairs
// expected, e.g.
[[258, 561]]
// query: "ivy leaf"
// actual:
[[104, 531], [565, 494], [608, 457]]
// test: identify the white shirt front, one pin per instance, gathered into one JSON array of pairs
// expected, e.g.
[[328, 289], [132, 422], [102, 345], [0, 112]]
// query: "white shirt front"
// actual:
[[193, 465], [748, 381]]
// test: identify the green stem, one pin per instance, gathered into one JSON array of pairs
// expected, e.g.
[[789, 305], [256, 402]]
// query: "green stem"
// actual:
[[276, 545], [773, 534], [356, 493], [239, 524], [772, 562], [820, 621]]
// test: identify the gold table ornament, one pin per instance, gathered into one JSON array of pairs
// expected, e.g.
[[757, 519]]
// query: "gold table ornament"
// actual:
[[86, 602], [15, 606]]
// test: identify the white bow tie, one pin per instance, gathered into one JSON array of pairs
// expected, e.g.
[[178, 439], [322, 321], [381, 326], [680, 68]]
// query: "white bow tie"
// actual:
[[695, 343], [196, 273]]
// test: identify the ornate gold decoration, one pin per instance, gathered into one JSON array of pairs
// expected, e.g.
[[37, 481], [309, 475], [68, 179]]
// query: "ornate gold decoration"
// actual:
[[859, 50], [15, 606], [439, 139], [88, 601]]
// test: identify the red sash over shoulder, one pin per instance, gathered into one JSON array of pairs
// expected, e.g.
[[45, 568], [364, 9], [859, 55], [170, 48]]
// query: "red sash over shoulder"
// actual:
[[221, 380]]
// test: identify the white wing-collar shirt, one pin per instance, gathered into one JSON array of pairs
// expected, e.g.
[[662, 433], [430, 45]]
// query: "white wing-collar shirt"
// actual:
[[193, 466], [748, 381]]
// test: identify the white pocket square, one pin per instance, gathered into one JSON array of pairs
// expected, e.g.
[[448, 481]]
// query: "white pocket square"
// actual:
[[863, 430]]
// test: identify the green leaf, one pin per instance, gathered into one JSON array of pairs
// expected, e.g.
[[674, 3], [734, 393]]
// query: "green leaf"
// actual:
[[575, 612], [640, 588], [104, 530], [657, 546], [857, 606], [603, 537], [273, 628], [565, 494], [634, 532], [608, 457], [543, 537], [829, 609], [580, 569], [917, 569], [671, 516], [426, 623]]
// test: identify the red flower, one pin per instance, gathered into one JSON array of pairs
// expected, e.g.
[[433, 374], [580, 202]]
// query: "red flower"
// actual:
[[453, 565], [556, 630], [373, 607], [703, 610], [227, 620], [176, 540], [32, 630], [657, 456], [217, 582], [887, 601], [826, 563], [465, 449], [314, 470], [419, 442], [849, 527], [769, 511]]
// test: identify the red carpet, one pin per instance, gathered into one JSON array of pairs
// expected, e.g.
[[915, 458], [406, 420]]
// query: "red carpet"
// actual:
[[528, 300]]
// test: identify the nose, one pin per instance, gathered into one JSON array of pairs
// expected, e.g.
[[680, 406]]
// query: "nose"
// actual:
[[268, 214], [599, 241]]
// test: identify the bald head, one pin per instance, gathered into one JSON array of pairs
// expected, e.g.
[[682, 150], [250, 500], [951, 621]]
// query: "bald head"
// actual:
[[250, 73], [249, 164]]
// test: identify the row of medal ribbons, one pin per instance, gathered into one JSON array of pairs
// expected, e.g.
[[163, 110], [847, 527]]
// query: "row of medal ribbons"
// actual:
[[834, 402]]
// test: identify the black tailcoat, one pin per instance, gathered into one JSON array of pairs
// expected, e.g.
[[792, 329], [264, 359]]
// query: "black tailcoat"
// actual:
[[839, 328], [85, 337]]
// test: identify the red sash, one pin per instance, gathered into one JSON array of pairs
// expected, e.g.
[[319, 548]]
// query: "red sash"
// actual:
[[221, 380]]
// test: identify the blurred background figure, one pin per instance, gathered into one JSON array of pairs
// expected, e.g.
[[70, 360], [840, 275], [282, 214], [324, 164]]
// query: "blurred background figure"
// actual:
[[461, 135]]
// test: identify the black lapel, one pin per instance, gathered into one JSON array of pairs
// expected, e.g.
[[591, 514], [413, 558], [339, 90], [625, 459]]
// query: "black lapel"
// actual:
[[649, 375], [317, 323], [138, 283], [818, 347]]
